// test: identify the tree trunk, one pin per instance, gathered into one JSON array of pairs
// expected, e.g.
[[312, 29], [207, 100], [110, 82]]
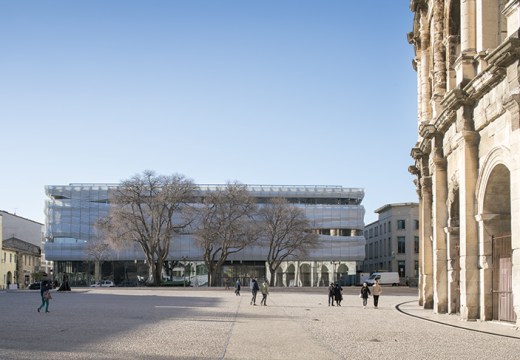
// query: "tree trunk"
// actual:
[[158, 273]]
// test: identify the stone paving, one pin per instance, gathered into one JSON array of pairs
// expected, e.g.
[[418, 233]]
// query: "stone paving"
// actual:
[[142, 323]]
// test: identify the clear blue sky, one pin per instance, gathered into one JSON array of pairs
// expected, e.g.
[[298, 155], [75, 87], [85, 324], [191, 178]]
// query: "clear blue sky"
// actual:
[[285, 92]]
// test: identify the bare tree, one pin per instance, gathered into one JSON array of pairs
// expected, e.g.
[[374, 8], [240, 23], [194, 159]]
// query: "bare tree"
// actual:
[[97, 250], [149, 210], [226, 226], [287, 233]]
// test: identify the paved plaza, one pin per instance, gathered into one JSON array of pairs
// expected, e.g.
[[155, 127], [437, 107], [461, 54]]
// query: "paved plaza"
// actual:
[[191, 323]]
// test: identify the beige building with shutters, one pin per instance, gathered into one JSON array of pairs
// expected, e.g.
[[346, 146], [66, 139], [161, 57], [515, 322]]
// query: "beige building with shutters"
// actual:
[[466, 159], [393, 242]]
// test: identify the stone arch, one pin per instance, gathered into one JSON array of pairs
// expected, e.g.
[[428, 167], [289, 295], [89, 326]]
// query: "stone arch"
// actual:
[[290, 275], [305, 275], [9, 278], [324, 276], [343, 274], [494, 216], [278, 277]]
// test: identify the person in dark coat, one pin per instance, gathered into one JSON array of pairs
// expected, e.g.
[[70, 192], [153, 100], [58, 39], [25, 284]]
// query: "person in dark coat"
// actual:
[[331, 294], [237, 288], [254, 290], [338, 296], [365, 293]]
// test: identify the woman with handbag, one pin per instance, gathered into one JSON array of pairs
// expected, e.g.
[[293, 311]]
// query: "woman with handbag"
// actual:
[[46, 296]]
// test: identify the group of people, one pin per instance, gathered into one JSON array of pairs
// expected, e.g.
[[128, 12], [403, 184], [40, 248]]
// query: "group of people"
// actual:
[[335, 292], [365, 293], [336, 295], [264, 289]]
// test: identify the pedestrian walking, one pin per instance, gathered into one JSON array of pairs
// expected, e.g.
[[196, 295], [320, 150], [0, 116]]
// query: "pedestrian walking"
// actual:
[[254, 290], [365, 293], [45, 292], [376, 291], [265, 291], [338, 296], [331, 294], [237, 288]]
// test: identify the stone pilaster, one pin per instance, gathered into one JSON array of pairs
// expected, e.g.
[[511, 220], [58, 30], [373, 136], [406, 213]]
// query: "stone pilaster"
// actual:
[[440, 217], [426, 243], [425, 87], [469, 258], [465, 67]]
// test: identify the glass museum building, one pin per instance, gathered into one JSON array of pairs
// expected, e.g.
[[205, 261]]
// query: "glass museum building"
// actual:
[[334, 212]]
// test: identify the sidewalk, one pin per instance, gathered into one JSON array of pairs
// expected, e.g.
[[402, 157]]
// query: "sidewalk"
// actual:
[[490, 327]]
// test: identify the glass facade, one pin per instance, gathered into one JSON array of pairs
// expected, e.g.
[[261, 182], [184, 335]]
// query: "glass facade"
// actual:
[[334, 212]]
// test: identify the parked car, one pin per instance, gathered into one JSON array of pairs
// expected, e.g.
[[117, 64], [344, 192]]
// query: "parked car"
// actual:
[[103, 283]]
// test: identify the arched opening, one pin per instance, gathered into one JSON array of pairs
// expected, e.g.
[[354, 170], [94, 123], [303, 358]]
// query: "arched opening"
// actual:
[[496, 216], [343, 275], [305, 275], [324, 278], [278, 281], [290, 276]]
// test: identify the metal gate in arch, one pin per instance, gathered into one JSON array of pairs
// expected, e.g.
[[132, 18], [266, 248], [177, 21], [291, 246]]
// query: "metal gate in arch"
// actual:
[[503, 279]]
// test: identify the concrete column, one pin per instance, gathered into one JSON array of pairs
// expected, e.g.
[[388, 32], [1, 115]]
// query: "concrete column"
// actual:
[[426, 242], [469, 258], [440, 218], [313, 268]]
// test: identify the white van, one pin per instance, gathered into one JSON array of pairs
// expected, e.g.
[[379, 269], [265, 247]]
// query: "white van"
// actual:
[[385, 278]]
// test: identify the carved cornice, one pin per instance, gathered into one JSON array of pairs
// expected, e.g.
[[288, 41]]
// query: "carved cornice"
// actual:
[[505, 54], [427, 131], [418, 5], [455, 99], [416, 153], [412, 169]]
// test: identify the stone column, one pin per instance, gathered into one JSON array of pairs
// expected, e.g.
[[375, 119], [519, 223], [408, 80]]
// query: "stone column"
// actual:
[[465, 64], [452, 233], [440, 217], [426, 243], [469, 259], [425, 87], [439, 58]]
